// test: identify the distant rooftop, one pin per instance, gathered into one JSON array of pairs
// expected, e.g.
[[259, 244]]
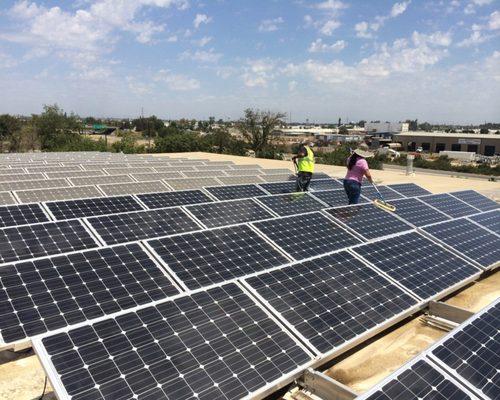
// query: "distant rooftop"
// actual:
[[448, 135]]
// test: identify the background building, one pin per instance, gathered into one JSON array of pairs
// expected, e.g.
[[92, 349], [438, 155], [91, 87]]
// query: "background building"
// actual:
[[485, 144]]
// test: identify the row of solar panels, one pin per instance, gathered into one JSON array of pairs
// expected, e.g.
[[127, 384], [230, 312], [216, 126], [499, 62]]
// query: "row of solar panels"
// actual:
[[61, 189], [464, 364], [130, 222], [209, 256]]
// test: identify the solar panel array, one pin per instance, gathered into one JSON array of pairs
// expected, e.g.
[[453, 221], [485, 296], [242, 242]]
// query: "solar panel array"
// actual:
[[469, 239], [124, 293], [464, 364], [449, 205], [331, 299], [369, 221]]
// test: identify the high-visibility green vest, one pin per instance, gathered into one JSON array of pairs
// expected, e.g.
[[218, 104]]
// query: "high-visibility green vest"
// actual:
[[306, 164]]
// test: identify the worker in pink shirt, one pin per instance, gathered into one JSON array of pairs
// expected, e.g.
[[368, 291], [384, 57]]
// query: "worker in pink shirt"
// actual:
[[357, 168]]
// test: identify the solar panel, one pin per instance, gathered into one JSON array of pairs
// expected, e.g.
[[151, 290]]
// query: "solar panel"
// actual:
[[126, 171], [418, 264], [325, 184], [477, 200], [246, 166], [449, 205], [156, 176], [275, 171], [53, 168], [73, 174], [68, 193], [21, 215], [489, 220], [419, 379], [387, 193], [409, 189], [291, 203], [133, 188], [235, 191], [39, 240], [469, 239], [323, 235], [17, 171], [335, 198], [321, 175], [212, 256], [21, 177], [239, 180], [243, 172], [128, 227], [211, 167], [6, 198], [279, 187], [215, 344], [171, 199], [228, 212], [471, 352], [278, 178], [165, 169], [417, 212], [37, 184], [191, 183], [100, 180], [203, 174], [50, 293], [332, 299], [369, 221], [92, 207]]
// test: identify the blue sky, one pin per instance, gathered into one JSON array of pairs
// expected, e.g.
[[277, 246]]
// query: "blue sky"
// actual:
[[435, 60]]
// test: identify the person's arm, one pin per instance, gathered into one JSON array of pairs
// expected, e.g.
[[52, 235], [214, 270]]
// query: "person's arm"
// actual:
[[368, 175], [300, 154], [367, 172]]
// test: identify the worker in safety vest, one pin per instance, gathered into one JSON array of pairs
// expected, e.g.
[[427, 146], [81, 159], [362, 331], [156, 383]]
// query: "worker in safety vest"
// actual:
[[304, 162]]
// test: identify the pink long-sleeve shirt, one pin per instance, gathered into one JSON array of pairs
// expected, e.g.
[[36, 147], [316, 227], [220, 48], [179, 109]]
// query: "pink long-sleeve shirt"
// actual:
[[357, 172]]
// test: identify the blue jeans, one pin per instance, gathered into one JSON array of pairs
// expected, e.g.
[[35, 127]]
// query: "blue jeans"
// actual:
[[353, 190]]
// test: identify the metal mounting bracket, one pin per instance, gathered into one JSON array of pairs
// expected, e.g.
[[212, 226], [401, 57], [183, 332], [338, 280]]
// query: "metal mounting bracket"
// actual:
[[324, 387]]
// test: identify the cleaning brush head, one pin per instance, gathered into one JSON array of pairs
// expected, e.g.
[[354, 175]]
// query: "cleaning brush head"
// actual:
[[383, 205]]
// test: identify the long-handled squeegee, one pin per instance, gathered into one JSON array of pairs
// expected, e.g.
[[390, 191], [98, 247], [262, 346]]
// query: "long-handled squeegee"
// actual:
[[381, 203]]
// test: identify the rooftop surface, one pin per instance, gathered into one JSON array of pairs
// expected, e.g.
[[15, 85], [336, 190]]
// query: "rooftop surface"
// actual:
[[22, 377]]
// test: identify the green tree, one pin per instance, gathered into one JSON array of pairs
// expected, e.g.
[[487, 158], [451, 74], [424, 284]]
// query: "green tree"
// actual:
[[9, 126], [484, 130], [257, 127], [343, 130], [56, 129]]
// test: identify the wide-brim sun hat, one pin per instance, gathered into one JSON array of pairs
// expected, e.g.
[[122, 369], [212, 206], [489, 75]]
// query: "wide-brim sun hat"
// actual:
[[363, 151]]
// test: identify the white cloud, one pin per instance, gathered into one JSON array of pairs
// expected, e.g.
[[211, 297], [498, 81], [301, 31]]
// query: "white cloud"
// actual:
[[494, 20], [172, 39], [480, 32], [437, 38], [401, 57], [203, 41], [366, 30], [399, 8], [176, 82], [270, 25], [203, 56], [7, 61], [258, 73], [319, 47], [361, 29], [201, 19], [331, 5], [292, 86], [329, 26], [470, 8]]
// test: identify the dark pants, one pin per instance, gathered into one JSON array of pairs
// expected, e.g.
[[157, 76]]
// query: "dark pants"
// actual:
[[353, 190], [303, 181]]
